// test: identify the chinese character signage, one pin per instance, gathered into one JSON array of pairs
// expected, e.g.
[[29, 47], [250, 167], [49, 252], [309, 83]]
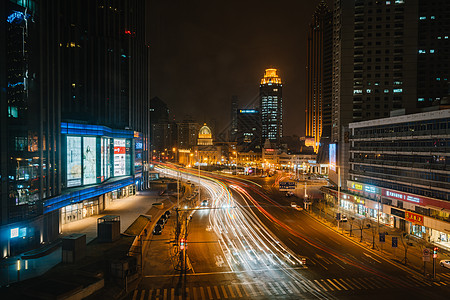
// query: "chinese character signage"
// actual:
[[414, 218]]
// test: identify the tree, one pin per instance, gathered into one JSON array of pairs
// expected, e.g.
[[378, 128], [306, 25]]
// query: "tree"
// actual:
[[361, 225], [404, 238], [350, 221]]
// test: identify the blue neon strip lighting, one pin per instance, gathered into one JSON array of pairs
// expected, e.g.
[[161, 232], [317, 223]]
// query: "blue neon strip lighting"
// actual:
[[97, 130], [58, 202]]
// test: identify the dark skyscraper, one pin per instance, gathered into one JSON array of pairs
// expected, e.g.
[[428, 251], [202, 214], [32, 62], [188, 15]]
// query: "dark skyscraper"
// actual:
[[319, 69], [248, 129], [271, 104], [234, 112]]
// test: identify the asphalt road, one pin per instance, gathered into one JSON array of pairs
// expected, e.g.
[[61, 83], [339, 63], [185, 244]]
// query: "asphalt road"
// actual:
[[249, 248]]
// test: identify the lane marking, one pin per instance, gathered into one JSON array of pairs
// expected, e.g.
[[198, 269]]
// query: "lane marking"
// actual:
[[281, 289], [238, 290], [326, 284], [287, 288], [294, 288], [372, 258], [340, 284], [266, 289], [346, 283]]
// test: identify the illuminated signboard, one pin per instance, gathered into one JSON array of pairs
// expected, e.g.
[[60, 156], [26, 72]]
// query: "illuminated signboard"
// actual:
[[14, 232], [247, 111], [89, 160], [119, 157], [414, 218], [401, 196], [74, 169], [332, 157]]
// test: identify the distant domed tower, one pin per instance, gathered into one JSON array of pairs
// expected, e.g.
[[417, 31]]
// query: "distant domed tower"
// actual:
[[205, 136]]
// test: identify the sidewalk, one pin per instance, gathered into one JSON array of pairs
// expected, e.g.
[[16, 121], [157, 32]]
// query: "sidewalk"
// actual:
[[127, 208], [370, 240]]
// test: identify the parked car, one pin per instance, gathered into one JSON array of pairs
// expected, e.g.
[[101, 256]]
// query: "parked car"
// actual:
[[445, 263], [161, 222], [157, 230]]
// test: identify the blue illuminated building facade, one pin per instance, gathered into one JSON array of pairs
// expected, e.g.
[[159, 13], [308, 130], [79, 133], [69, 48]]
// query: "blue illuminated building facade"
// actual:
[[74, 114]]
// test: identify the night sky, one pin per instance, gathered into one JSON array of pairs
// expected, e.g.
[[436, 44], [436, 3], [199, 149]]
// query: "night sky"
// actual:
[[204, 51]]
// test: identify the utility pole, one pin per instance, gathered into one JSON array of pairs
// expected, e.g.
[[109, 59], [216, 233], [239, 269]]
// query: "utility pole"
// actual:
[[339, 195]]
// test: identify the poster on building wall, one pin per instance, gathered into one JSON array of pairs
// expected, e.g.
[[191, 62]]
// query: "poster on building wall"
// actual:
[[119, 157], [89, 160], [73, 161]]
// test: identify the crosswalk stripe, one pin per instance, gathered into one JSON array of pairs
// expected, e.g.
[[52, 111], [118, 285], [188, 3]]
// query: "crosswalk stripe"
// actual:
[[252, 291], [266, 289], [231, 291], [150, 293], [368, 283], [340, 284], [361, 283], [224, 292], [165, 294], [346, 283], [134, 294], [445, 275], [317, 282], [294, 288], [142, 294], [356, 283], [309, 284], [436, 283], [245, 291], [217, 292], [287, 288], [187, 294], [209, 292], [194, 292], [202, 293], [417, 281], [300, 285], [238, 290], [281, 289], [172, 294], [338, 288], [374, 282], [327, 285], [443, 282], [258, 290]]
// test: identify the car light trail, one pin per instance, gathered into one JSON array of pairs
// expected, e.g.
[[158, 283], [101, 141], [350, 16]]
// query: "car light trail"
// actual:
[[248, 246]]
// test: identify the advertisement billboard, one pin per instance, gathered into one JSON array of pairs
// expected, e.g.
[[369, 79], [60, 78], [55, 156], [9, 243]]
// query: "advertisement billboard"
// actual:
[[89, 160], [332, 157], [119, 157], [74, 169]]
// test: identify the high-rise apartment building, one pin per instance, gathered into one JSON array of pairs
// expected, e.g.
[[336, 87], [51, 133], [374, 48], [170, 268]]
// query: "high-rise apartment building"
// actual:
[[234, 122], [319, 75], [271, 105], [433, 51], [187, 134]]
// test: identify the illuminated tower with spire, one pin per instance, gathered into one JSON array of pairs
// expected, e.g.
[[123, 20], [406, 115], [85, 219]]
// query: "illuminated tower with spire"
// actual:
[[271, 104]]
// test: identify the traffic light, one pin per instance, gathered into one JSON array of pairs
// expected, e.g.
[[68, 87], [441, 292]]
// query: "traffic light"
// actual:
[[182, 244], [435, 250]]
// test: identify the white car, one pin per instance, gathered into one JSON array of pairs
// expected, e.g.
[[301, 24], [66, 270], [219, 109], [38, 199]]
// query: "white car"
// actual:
[[445, 263]]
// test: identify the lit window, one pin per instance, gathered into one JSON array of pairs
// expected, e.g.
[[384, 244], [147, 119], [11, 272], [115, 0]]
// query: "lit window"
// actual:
[[422, 51], [422, 18], [386, 91], [431, 50], [397, 82], [420, 99], [398, 90], [388, 2], [433, 17], [368, 91], [357, 91], [438, 78]]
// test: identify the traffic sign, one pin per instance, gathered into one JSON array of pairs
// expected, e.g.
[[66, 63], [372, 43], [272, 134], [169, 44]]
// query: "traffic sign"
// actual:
[[382, 237], [426, 254], [394, 242], [287, 185]]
